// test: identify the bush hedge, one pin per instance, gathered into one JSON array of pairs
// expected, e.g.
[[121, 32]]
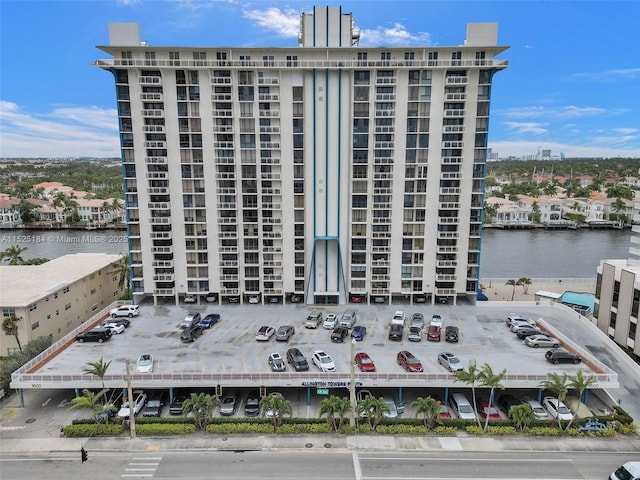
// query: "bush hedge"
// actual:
[[165, 429], [93, 430]]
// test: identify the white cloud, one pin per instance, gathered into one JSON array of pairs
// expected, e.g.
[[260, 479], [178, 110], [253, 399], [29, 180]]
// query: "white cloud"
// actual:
[[611, 75], [527, 127], [555, 113], [394, 35], [286, 23], [63, 132]]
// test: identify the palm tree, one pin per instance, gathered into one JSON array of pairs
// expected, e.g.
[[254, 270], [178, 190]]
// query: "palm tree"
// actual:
[[524, 282], [488, 378], [333, 406], [275, 407], [13, 254], [91, 401], [429, 408], [123, 270], [522, 415], [557, 384], [372, 409], [10, 327], [201, 405], [99, 369], [470, 376], [515, 283], [580, 383]]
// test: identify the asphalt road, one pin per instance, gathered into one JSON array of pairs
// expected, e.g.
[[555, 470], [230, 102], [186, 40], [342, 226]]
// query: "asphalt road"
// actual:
[[325, 465]]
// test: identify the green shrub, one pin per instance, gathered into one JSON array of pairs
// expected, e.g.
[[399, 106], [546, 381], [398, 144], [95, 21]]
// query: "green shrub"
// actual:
[[306, 428], [401, 429], [501, 430], [629, 429], [227, 428], [543, 431], [93, 430], [474, 430], [165, 420], [445, 430], [165, 429]]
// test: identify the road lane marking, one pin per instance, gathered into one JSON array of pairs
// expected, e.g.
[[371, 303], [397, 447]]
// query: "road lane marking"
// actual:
[[356, 466]]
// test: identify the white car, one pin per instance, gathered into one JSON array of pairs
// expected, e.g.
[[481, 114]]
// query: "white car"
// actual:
[[125, 311], [139, 397], [116, 328], [436, 321], [450, 362], [514, 317], [254, 299], [265, 333], [398, 318], [330, 321], [145, 363], [190, 298], [557, 409], [537, 341], [538, 410], [323, 361]]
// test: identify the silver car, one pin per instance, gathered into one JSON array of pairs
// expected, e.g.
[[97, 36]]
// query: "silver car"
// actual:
[[450, 362], [537, 341], [229, 404]]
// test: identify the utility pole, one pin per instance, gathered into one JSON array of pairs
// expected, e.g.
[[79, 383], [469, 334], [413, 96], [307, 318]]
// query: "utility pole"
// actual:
[[352, 385], [132, 417]]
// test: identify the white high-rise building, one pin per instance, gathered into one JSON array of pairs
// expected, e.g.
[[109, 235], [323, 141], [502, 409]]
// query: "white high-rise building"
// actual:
[[322, 173]]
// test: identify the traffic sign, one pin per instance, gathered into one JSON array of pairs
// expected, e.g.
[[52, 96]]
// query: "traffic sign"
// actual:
[[322, 391]]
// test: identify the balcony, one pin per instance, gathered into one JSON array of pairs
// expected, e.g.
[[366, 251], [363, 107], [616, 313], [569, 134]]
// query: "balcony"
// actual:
[[446, 263], [448, 235], [221, 97], [165, 249], [269, 113], [162, 263], [164, 292], [158, 190], [457, 80], [451, 160], [152, 113], [455, 113], [156, 160], [441, 249], [455, 96], [150, 80], [159, 205], [450, 144], [161, 235], [160, 221], [449, 205], [450, 191], [448, 220], [153, 128], [157, 175], [453, 129], [152, 97], [268, 81], [164, 277]]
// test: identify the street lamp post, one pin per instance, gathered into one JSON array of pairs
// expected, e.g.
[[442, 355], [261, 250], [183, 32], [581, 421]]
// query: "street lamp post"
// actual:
[[352, 384], [132, 420]]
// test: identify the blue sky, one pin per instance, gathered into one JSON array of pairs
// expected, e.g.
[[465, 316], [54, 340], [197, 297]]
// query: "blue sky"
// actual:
[[573, 85]]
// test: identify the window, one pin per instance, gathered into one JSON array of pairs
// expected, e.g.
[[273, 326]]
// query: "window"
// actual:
[[8, 312], [33, 307], [174, 58], [65, 290], [35, 325], [199, 58], [67, 306]]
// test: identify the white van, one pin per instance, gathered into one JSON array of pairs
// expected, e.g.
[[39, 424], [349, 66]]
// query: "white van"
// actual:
[[628, 471], [462, 407]]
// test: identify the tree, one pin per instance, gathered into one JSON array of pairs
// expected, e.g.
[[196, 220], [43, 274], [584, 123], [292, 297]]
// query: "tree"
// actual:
[[10, 327], [488, 378], [556, 383], [88, 400], [275, 407], [580, 383], [123, 270], [522, 415], [99, 369], [372, 409], [524, 282], [26, 209], [514, 283], [429, 408], [335, 408], [535, 215], [13, 254], [201, 405], [470, 376]]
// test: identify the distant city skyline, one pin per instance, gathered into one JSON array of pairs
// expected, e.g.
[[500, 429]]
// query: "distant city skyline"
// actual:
[[572, 84]]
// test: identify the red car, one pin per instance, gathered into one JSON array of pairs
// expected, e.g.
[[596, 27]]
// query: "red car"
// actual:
[[444, 410], [364, 362], [409, 362], [489, 411], [433, 335]]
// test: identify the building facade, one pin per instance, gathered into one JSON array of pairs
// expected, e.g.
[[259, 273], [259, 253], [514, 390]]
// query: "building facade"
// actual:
[[322, 173], [55, 297]]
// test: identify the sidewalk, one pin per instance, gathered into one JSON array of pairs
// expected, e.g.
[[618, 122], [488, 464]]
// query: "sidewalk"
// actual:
[[204, 442]]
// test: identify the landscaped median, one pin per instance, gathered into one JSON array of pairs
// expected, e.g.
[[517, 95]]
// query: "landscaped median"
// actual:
[[619, 423]]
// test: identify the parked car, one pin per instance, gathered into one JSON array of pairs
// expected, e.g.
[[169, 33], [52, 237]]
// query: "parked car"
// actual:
[[450, 362], [395, 332], [254, 299], [348, 319], [229, 404], [444, 410], [268, 412], [330, 321], [94, 335], [210, 320], [559, 355], [323, 361], [557, 409], [125, 311], [191, 334], [284, 333], [297, 360], [433, 334], [313, 319], [124, 321], [516, 327], [538, 410], [145, 363], [398, 318], [190, 298], [592, 425], [451, 334], [191, 319], [364, 362], [276, 362], [516, 318], [211, 298], [393, 407], [415, 334], [487, 410], [358, 333], [417, 320], [537, 341], [175, 408], [252, 405], [506, 402], [462, 407], [339, 334], [139, 397], [436, 321], [153, 407], [523, 333], [409, 362], [265, 333], [115, 328]]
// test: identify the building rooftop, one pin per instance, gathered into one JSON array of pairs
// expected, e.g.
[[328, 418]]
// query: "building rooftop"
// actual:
[[22, 285]]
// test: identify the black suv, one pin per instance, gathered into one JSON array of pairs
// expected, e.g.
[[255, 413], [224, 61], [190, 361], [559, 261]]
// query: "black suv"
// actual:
[[507, 402], [451, 334], [95, 335], [190, 334], [154, 405], [395, 332], [559, 355], [297, 359], [252, 405], [339, 334]]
